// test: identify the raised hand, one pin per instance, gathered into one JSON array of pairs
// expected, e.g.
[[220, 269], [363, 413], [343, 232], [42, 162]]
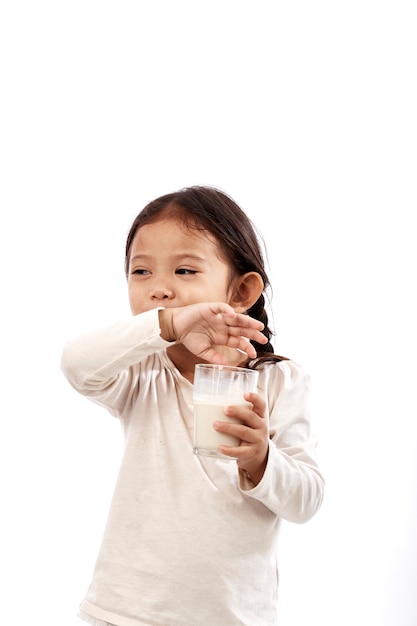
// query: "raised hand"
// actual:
[[201, 327]]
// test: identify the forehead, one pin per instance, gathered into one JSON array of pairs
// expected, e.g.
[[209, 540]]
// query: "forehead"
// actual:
[[173, 233], [170, 239]]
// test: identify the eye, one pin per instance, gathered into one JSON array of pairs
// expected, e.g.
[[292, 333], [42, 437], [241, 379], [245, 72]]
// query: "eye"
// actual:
[[140, 272], [184, 271]]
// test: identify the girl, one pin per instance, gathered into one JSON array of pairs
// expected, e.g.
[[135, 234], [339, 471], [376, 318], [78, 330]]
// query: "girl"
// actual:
[[191, 541]]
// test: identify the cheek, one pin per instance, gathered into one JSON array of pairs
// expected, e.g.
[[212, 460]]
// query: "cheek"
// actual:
[[133, 298]]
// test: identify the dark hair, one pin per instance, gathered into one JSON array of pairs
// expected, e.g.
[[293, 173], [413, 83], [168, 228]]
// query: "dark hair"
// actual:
[[212, 210]]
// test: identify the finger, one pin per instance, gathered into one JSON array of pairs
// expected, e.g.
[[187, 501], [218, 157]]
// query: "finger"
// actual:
[[235, 322], [243, 414], [242, 344], [249, 413], [245, 434], [252, 422], [251, 331], [212, 355], [242, 452], [239, 343], [222, 307], [243, 321], [245, 451], [258, 403]]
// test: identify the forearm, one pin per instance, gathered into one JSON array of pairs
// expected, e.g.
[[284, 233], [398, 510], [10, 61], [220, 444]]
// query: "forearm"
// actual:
[[97, 357], [292, 487]]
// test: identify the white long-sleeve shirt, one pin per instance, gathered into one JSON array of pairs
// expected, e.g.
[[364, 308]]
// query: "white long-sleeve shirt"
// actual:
[[189, 540]]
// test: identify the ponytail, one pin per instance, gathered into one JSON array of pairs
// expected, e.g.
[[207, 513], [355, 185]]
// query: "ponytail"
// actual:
[[265, 352]]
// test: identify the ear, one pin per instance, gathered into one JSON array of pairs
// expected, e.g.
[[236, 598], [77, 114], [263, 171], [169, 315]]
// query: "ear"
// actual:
[[246, 290]]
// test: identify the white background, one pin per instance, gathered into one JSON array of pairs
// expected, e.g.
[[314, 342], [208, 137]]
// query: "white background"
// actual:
[[305, 112]]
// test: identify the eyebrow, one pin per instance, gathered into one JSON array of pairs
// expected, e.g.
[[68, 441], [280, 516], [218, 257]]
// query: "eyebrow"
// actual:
[[176, 257]]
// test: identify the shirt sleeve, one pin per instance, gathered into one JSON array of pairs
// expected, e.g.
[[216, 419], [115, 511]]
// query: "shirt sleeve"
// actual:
[[98, 364], [292, 486]]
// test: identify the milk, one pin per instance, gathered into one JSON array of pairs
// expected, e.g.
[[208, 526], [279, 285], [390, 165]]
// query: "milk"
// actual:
[[215, 387], [207, 439]]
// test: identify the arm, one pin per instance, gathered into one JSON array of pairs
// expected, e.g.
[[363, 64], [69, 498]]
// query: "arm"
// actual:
[[292, 485], [94, 361]]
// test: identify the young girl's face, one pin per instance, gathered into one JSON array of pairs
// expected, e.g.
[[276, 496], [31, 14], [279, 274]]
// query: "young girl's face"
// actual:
[[172, 266]]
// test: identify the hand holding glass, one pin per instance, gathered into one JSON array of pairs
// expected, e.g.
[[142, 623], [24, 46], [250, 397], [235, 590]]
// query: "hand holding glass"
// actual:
[[216, 387]]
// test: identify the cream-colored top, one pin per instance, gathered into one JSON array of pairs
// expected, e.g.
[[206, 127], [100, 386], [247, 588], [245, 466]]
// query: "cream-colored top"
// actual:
[[189, 540]]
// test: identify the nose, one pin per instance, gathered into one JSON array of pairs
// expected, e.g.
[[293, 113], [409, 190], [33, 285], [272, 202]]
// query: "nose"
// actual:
[[159, 292]]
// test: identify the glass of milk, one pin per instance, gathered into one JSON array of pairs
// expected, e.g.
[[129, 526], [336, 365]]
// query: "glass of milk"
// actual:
[[215, 387]]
